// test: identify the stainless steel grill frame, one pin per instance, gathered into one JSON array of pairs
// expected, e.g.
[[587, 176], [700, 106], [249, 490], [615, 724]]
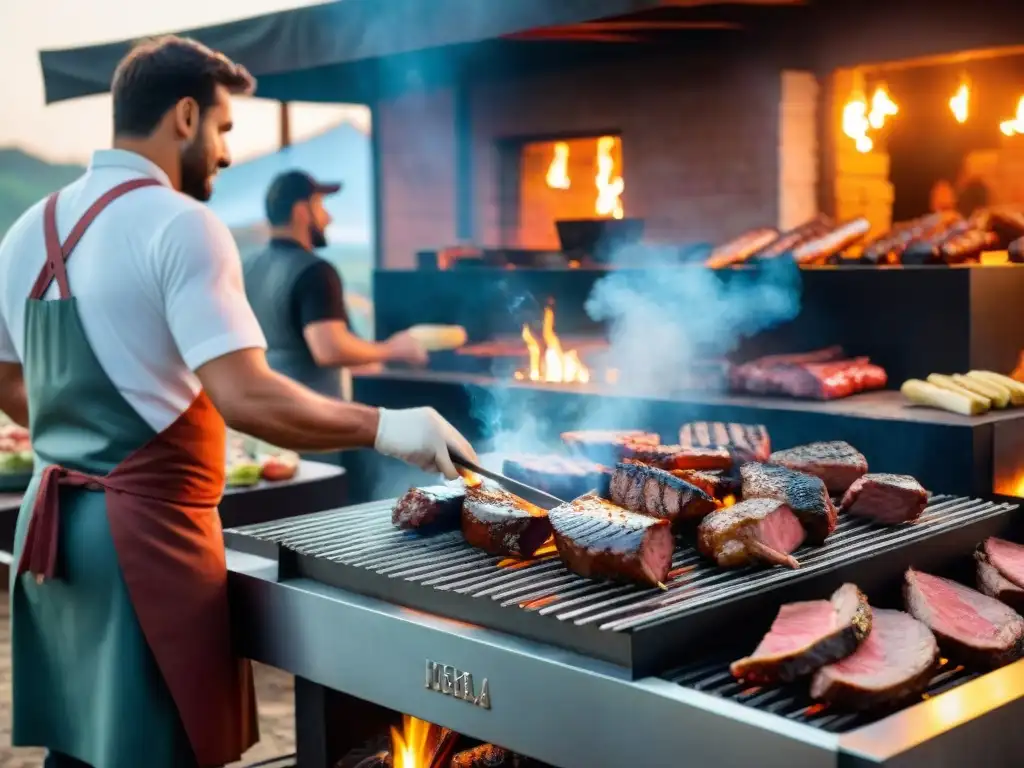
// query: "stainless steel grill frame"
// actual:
[[643, 630]]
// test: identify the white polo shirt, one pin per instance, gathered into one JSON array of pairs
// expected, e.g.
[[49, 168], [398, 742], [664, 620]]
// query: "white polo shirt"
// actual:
[[158, 280]]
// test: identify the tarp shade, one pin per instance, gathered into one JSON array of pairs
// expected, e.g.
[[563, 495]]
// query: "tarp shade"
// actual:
[[326, 53]]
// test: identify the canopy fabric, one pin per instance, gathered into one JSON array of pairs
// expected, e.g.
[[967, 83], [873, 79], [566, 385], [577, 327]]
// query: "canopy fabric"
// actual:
[[312, 53]]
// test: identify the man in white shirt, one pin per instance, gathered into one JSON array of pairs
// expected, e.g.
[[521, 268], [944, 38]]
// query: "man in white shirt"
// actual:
[[130, 358]]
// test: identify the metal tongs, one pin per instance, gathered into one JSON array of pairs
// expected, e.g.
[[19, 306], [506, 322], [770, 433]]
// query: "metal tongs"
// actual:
[[533, 495]]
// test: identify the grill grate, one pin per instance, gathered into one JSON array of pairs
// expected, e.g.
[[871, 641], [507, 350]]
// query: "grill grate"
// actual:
[[793, 701], [362, 537]]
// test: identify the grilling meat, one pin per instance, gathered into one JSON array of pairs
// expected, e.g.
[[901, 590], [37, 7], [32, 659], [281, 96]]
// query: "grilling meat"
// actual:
[[501, 523], [597, 539], [1001, 571], [606, 446], [970, 626], [804, 494], [486, 756], [894, 664], [806, 636], [564, 478], [885, 498], [754, 530], [655, 492], [838, 463], [671, 457], [714, 482], [740, 249], [435, 508], [749, 442]]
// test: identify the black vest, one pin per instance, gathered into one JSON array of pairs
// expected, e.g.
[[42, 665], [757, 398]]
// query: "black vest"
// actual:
[[270, 277]]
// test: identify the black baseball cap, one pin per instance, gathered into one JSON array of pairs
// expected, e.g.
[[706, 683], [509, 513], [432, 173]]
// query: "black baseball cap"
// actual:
[[293, 187]]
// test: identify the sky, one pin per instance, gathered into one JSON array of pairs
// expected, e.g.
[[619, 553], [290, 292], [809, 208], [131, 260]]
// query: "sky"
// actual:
[[70, 131]]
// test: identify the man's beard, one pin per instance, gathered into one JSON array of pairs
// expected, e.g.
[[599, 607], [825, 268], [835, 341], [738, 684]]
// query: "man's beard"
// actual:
[[196, 176], [317, 237]]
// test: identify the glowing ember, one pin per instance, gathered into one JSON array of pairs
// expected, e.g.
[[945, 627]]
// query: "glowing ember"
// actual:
[[960, 103], [558, 172], [728, 501], [411, 748], [609, 186], [1015, 126], [551, 363]]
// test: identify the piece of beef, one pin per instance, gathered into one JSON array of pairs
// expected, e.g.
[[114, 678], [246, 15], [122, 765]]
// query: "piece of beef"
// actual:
[[836, 462], [885, 498], [808, 635], [501, 523], [1007, 558], [893, 665], [755, 376], [763, 530], [970, 626], [598, 539], [431, 509], [805, 494], [714, 482], [562, 477], [669, 457], [655, 492], [994, 584], [749, 442], [486, 756], [605, 446]]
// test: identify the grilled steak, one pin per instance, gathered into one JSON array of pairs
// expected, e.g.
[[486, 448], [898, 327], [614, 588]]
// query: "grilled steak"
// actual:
[[714, 482], [894, 664], [564, 478], [498, 522], [598, 539], [885, 498], [605, 446], [655, 492], [435, 508], [677, 457], [749, 442], [838, 463], [970, 626], [757, 529], [806, 636], [994, 584], [804, 494]]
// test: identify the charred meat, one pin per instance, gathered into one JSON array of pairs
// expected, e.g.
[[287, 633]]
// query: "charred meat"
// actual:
[[885, 498], [669, 457], [435, 508], [501, 523], [597, 539], [655, 492], [838, 463], [564, 478], [605, 446], [714, 482], [749, 442], [806, 636], [486, 756], [755, 530], [893, 665], [805, 494], [970, 626]]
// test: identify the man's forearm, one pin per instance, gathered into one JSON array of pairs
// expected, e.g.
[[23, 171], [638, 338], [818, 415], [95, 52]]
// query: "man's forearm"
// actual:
[[354, 351]]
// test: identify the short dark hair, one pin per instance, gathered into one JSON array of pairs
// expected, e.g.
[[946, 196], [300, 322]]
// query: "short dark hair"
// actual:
[[156, 74]]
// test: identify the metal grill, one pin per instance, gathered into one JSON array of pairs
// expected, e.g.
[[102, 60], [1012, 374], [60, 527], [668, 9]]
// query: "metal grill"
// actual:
[[357, 548], [793, 701]]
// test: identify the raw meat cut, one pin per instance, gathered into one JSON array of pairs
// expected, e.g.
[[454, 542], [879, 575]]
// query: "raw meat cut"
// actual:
[[655, 492], [501, 523], [563, 478], [836, 462], [605, 446], [970, 626], [758, 529], [804, 494], [885, 498], [597, 539], [434, 508], [808, 635], [894, 664], [749, 442], [821, 375]]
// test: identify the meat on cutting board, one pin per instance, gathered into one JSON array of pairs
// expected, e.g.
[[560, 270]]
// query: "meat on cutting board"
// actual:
[[434, 508], [598, 539], [562, 477], [501, 523], [836, 462], [671, 457], [885, 498], [808, 635], [804, 494], [1001, 571], [893, 665], [749, 442], [605, 446], [970, 626], [764, 530], [655, 492]]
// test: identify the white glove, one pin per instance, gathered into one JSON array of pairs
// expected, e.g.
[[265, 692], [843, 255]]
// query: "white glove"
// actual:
[[421, 437]]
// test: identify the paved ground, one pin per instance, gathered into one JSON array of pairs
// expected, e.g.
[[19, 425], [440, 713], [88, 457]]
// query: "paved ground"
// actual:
[[274, 690]]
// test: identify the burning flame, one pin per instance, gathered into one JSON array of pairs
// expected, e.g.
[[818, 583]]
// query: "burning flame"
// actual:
[[960, 102], [554, 365], [859, 118], [411, 747], [1016, 125], [558, 172], [727, 501], [882, 107], [609, 186]]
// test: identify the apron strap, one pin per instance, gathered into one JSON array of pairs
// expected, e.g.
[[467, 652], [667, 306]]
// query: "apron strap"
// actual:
[[57, 255]]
